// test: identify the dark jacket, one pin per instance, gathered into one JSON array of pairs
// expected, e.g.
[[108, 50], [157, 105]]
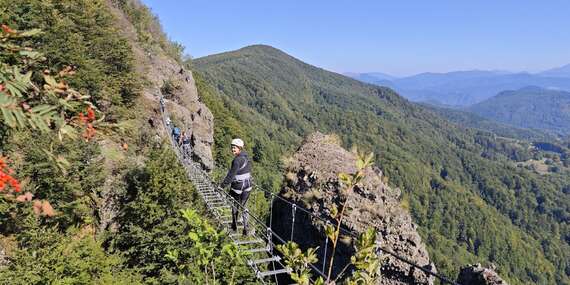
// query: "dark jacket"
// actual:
[[239, 175]]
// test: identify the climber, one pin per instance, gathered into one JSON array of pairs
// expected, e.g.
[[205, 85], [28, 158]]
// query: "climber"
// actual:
[[176, 133], [240, 181], [161, 104], [185, 140]]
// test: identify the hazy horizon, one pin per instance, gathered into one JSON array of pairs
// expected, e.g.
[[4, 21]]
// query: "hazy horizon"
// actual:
[[396, 38]]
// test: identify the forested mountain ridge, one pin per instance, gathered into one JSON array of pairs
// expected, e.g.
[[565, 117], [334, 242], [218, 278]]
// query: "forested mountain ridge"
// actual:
[[471, 120], [469, 208], [529, 107]]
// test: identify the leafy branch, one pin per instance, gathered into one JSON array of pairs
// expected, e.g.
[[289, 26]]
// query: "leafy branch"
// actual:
[[209, 250], [348, 181], [39, 101]]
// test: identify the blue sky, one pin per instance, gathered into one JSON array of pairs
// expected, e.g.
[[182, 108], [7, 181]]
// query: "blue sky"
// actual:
[[396, 37]]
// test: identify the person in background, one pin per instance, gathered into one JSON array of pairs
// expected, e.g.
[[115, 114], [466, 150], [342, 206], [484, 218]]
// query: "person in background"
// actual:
[[185, 141], [176, 134]]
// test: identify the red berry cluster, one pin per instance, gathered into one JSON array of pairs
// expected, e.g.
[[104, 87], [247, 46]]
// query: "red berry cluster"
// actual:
[[7, 29], [6, 178], [87, 120]]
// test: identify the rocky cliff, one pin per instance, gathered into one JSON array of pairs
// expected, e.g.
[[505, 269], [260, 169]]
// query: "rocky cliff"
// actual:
[[163, 76], [312, 179]]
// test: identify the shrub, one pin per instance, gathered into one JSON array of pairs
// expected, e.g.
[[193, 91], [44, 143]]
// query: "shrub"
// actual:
[[45, 256]]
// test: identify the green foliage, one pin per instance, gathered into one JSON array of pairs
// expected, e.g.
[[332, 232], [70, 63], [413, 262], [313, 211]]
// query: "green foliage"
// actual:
[[163, 243], [298, 261], [149, 31], [484, 209], [149, 219], [210, 258], [22, 104], [365, 260], [73, 193], [82, 34], [45, 256], [488, 126], [530, 107]]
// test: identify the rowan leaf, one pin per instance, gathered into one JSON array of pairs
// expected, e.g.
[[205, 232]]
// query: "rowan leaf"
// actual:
[[30, 33], [43, 109], [20, 118], [50, 80], [9, 118]]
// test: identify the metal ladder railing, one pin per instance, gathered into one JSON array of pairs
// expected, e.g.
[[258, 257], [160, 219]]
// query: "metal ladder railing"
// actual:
[[258, 245]]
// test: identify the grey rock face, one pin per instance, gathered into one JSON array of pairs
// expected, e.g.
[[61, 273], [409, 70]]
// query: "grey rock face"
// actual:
[[166, 75], [312, 180], [157, 69], [479, 275]]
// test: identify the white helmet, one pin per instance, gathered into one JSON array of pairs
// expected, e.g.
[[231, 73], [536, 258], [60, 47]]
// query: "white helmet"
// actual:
[[237, 142]]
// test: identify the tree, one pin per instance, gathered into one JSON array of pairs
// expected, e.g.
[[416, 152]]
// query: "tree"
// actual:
[[48, 105]]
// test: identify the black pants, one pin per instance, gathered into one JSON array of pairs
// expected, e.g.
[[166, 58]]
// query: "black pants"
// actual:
[[241, 199]]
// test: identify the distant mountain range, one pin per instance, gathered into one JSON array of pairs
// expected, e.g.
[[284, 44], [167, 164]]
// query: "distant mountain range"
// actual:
[[529, 107], [464, 88], [563, 71]]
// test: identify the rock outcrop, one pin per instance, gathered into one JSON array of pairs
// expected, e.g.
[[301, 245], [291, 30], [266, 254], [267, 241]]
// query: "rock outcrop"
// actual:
[[162, 75], [165, 76], [312, 179], [479, 275]]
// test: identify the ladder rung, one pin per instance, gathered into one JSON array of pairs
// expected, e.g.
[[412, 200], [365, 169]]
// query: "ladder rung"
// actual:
[[224, 207], [210, 196], [254, 250], [244, 242], [214, 200], [219, 209], [265, 260], [273, 272]]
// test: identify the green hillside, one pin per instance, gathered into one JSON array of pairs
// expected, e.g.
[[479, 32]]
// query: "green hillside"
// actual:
[[470, 200], [529, 107], [104, 206], [471, 120]]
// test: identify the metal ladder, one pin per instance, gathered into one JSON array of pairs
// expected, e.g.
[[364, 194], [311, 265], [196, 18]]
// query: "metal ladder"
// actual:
[[260, 256]]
